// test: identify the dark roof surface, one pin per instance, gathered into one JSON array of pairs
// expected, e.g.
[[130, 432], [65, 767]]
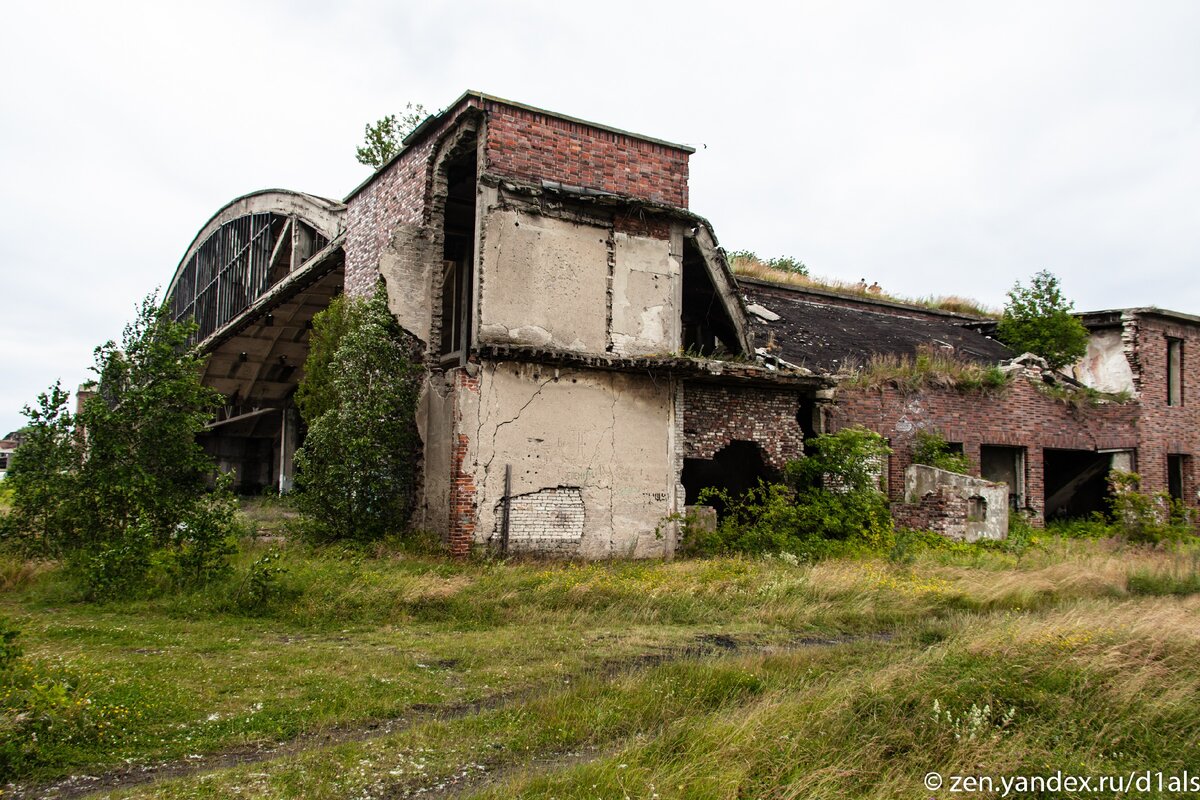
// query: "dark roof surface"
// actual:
[[825, 337]]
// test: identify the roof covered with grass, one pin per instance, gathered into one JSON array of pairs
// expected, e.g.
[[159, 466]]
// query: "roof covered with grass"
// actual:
[[831, 337]]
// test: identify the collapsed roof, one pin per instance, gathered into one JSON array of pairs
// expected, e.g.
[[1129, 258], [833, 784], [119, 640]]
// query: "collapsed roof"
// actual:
[[805, 331]]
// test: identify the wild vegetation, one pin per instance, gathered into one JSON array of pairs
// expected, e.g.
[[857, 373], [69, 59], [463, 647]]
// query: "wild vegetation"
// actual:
[[357, 468], [383, 138], [929, 368], [788, 270], [1037, 319], [931, 449], [828, 503], [377, 671], [119, 490]]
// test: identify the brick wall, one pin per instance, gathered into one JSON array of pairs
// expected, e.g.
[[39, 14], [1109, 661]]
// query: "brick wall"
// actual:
[[1018, 416], [942, 511], [547, 521], [716, 415], [532, 146], [1165, 430], [462, 482]]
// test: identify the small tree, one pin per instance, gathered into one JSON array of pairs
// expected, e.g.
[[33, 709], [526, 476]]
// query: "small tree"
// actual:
[[316, 393], [1038, 320], [42, 476], [125, 479], [382, 139], [357, 468]]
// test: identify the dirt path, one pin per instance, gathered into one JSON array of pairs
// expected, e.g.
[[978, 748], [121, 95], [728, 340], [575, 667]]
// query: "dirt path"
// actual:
[[705, 646]]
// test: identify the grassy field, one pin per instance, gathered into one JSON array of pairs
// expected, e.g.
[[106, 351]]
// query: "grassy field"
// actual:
[[385, 674]]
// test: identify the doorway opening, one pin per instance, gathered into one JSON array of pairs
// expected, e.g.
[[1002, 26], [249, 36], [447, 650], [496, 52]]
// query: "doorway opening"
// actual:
[[1002, 464], [735, 468], [1076, 483]]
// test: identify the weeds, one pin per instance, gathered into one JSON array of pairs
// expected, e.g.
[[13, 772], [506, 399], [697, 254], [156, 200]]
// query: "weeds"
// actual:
[[929, 368], [783, 270]]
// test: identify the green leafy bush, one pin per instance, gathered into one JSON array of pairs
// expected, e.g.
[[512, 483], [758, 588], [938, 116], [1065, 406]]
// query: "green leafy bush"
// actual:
[[121, 487], [357, 468], [930, 449], [41, 711], [1147, 517], [829, 504], [1037, 319]]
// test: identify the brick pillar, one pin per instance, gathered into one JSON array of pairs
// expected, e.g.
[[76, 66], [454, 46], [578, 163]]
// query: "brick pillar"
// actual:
[[463, 512], [1035, 485]]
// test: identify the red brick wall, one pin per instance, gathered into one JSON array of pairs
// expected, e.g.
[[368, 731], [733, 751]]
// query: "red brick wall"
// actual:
[[531, 146], [1019, 416], [1166, 430], [714, 416], [396, 196], [463, 512], [522, 144]]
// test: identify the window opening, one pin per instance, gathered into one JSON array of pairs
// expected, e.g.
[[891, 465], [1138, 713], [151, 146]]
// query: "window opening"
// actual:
[[1174, 372]]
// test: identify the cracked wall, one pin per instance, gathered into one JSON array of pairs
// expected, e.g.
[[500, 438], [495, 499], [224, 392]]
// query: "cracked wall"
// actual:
[[606, 435], [578, 283]]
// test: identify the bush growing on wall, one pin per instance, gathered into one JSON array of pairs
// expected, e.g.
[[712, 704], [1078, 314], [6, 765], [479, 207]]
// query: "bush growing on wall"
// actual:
[[357, 469], [829, 503], [930, 449], [1038, 319]]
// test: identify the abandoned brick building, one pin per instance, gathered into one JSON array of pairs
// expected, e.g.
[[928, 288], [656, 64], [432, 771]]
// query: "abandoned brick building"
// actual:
[[592, 362]]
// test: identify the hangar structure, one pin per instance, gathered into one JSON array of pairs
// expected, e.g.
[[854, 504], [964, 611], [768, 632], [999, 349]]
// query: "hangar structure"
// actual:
[[591, 361]]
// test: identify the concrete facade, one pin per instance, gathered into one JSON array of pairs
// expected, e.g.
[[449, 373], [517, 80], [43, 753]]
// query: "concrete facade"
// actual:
[[960, 507]]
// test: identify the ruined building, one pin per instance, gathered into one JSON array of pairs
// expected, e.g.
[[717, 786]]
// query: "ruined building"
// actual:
[[591, 360]]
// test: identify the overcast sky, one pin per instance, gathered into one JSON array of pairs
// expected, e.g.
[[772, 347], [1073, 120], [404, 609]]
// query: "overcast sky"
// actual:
[[938, 148]]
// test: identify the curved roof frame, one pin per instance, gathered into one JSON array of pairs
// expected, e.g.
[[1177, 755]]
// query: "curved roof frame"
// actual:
[[320, 213]]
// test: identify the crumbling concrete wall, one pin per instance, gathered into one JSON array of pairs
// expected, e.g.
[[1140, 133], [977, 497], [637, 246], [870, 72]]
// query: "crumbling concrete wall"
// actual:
[[408, 265], [578, 283], [543, 282], [959, 507], [588, 442], [1105, 366], [436, 427], [647, 294]]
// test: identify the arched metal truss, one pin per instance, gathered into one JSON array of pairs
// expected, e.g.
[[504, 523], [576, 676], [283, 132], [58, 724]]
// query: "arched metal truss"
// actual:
[[248, 247]]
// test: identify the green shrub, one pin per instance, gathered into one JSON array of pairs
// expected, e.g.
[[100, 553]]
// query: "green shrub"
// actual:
[[830, 504], [10, 648], [931, 450], [120, 488], [41, 711], [1038, 319], [1147, 517], [261, 582], [357, 468]]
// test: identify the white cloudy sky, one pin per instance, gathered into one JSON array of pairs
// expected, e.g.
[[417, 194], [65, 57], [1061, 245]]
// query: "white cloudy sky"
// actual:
[[946, 147]]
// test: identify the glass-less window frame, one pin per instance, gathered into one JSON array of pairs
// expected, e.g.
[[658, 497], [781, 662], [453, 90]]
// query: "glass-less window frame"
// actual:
[[1174, 371]]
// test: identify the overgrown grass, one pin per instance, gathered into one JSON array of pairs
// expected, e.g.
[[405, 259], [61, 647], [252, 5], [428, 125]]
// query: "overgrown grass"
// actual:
[[928, 369], [1083, 396], [357, 635], [743, 263]]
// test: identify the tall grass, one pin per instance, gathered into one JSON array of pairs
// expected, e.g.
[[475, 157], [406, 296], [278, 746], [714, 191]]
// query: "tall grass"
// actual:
[[751, 267], [930, 368]]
